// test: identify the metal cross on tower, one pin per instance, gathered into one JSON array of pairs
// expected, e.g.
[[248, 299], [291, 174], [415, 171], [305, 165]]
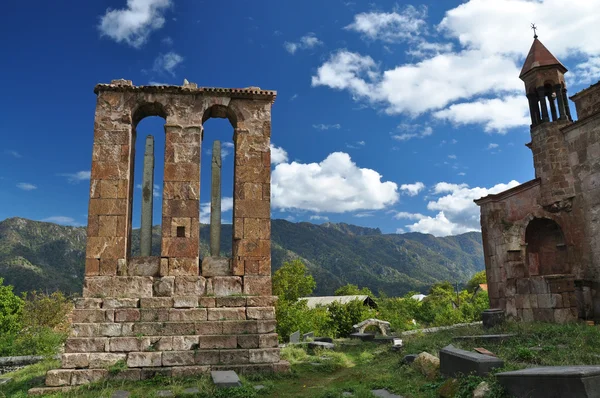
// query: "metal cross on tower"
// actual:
[[535, 36]]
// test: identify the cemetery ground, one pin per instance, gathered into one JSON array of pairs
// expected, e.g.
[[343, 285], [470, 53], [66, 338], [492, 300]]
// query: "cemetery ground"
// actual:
[[358, 367]]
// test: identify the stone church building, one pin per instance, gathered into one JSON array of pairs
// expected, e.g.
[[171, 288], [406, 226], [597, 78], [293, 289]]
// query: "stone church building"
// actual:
[[541, 239]]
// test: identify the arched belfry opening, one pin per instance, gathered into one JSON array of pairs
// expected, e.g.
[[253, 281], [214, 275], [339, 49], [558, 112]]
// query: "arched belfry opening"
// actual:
[[546, 248]]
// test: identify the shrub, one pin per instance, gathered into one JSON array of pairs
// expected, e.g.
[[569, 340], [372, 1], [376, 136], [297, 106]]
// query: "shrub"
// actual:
[[47, 311], [11, 307], [343, 317]]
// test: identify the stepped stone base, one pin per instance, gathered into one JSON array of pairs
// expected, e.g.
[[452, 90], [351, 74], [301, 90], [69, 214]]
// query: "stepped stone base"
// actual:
[[172, 330]]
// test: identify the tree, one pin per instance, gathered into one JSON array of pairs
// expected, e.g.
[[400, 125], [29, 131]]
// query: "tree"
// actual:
[[11, 307], [353, 290], [292, 281], [476, 280]]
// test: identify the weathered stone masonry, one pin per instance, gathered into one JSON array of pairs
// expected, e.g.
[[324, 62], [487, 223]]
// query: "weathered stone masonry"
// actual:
[[169, 315], [541, 239]]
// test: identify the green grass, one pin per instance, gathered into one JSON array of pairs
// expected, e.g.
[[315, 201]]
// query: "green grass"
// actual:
[[360, 367]]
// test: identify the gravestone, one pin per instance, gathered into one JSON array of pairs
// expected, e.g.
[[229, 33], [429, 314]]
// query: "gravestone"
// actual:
[[362, 336], [321, 344], [553, 382], [295, 337], [492, 317], [309, 335], [383, 393], [454, 362], [225, 378]]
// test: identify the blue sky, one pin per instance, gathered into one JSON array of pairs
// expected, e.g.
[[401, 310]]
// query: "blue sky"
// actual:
[[389, 114]]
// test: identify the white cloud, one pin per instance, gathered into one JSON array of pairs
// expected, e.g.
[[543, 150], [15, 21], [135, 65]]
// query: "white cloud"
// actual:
[[77, 177], [134, 24], [278, 155], [306, 42], [400, 230], [167, 62], [226, 205], [492, 146], [497, 114], [25, 186], [410, 216], [335, 185], [390, 27], [316, 218], [62, 220], [364, 214], [457, 213], [155, 190], [477, 82], [13, 153], [322, 126], [293, 97], [153, 83], [452, 157], [412, 189], [410, 131]]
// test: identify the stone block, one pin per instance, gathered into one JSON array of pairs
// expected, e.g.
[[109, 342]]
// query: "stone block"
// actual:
[[178, 328], [206, 302], [149, 373], [88, 303], [217, 342], [190, 371], [86, 344], [164, 287], [266, 326], [260, 312], [127, 315], [184, 315], [104, 359], [543, 314], [120, 303], [180, 247], [156, 302], [126, 374], [156, 343], [143, 266], [216, 266], [264, 355], [89, 316], [58, 377], [565, 315], [248, 341], [454, 361], [226, 285], [209, 328], [225, 314], [144, 359], [185, 301], [206, 357], [240, 327], [189, 285], [182, 343], [544, 300], [267, 340], [75, 360], [87, 376], [230, 301], [261, 301], [150, 328], [538, 286], [178, 358], [84, 330], [522, 286], [124, 344], [154, 314], [229, 357], [49, 390], [258, 285], [120, 286], [110, 329], [281, 367], [225, 379], [183, 266], [552, 381]]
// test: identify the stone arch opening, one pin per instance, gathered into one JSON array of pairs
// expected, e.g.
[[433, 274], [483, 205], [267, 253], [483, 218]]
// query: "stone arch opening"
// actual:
[[546, 249]]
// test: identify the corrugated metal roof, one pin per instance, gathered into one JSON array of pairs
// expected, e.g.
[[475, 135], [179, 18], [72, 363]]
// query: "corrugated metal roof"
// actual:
[[312, 302]]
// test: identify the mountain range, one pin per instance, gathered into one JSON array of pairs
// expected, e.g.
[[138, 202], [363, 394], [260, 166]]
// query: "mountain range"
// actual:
[[37, 255]]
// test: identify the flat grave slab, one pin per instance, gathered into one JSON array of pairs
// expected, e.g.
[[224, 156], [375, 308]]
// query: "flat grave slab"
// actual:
[[321, 344], [454, 361], [362, 336], [553, 382], [493, 338], [383, 393], [225, 378], [4, 380]]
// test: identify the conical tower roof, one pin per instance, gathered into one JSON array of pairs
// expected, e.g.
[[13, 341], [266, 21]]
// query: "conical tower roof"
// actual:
[[540, 56]]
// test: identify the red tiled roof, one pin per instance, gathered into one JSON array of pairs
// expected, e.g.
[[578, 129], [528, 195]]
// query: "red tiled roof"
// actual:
[[539, 56]]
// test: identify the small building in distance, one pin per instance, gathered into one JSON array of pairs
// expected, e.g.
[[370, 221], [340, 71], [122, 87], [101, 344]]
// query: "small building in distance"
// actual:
[[324, 301], [541, 239]]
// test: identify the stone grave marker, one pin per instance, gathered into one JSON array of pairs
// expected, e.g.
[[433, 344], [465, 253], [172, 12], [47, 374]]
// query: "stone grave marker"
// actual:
[[295, 337], [225, 378]]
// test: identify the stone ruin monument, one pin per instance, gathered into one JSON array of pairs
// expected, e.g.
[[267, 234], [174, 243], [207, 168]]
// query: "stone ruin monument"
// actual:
[[172, 314], [541, 239]]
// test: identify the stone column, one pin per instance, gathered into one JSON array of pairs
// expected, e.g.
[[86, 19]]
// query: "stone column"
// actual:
[[552, 107], [561, 102], [533, 109], [542, 97], [215, 201], [147, 199], [110, 187], [566, 101], [181, 200]]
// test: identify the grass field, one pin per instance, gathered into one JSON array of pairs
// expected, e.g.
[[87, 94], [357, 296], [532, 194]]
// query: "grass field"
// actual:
[[359, 367]]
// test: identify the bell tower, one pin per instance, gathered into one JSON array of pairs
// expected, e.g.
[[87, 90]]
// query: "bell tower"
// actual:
[[545, 86]]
